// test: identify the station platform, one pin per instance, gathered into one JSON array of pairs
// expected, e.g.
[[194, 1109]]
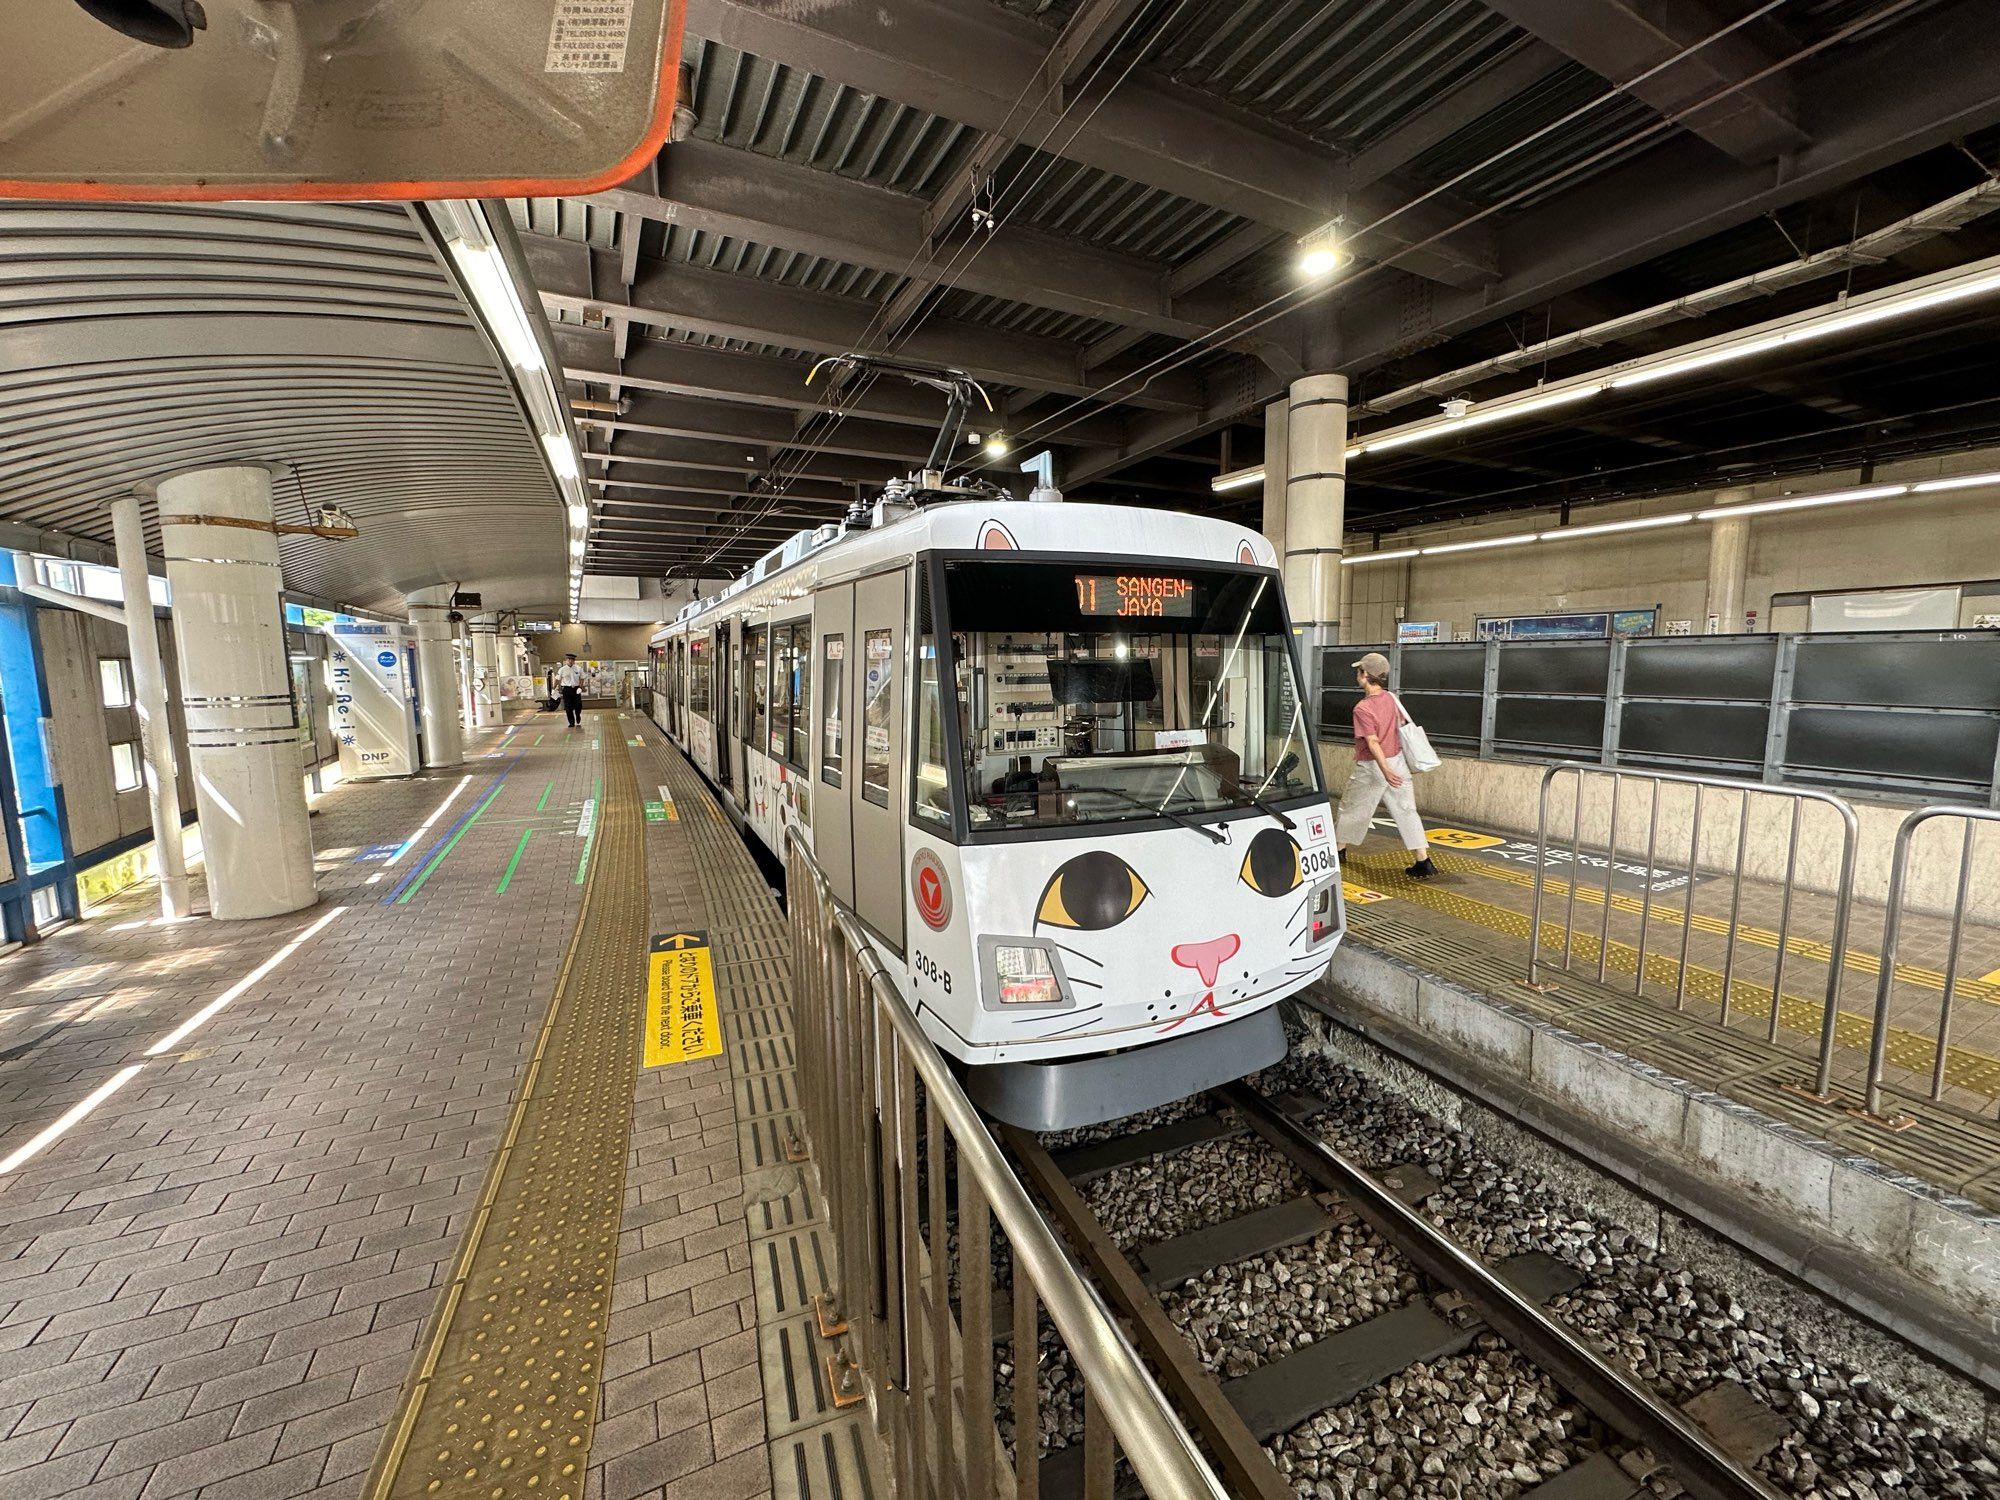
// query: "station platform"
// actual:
[[1663, 1000], [380, 1199]]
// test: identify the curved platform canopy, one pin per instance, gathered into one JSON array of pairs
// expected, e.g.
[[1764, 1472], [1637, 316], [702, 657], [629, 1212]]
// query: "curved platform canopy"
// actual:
[[330, 340]]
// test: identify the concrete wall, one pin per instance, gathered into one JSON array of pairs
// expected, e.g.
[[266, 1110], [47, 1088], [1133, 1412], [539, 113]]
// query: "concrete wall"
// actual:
[[1910, 540], [1505, 795]]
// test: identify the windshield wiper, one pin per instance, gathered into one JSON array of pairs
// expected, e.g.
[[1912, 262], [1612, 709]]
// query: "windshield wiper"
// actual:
[[1159, 812], [1244, 797]]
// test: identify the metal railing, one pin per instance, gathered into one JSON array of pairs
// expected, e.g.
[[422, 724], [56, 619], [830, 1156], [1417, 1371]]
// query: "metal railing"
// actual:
[[1892, 932], [1842, 894], [911, 1177]]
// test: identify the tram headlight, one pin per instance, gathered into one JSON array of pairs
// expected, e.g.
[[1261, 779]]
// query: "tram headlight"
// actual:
[[1025, 974]]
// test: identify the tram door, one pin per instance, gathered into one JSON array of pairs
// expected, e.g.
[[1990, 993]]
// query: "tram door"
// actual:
[[879, 792], [722, 679], [833, 819]]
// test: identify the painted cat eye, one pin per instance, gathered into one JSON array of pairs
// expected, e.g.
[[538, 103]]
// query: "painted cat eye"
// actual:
[[1091, 892], [1271, 864]]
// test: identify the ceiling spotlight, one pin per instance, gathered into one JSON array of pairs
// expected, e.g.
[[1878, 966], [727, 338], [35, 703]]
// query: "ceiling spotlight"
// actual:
[[996, 445], [1320, 253]]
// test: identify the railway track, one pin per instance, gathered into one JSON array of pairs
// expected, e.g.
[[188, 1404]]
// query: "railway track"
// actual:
[[1641, 1444]]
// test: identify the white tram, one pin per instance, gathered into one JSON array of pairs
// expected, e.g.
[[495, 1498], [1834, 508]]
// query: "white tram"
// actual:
[[1055, 757]]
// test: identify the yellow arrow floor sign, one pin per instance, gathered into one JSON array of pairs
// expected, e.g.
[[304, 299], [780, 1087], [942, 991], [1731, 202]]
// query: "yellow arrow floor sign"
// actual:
[[681, 1021]]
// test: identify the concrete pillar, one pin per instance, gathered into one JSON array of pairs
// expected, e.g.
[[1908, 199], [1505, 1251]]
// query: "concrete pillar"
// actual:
[[1277, 464], [243, 747], [149, 700], [485, 673], [437, 677], [1315, 509], [1728, 567]]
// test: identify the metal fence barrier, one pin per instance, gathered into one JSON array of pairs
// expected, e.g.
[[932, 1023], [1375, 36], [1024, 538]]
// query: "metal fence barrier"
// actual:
[[911, 1175], [1650, 784], [1892, 931]]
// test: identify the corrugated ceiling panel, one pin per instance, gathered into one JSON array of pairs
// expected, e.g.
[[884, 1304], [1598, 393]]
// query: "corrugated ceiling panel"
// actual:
[[327, 339]]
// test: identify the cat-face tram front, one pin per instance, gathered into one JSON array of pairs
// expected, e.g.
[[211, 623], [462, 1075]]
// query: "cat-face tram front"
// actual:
[[1056, 759], [1113, 774]]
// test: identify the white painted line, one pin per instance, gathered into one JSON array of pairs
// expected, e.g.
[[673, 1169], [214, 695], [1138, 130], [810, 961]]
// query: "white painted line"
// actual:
[[174, 1037], [424, 827], [70, 1116]]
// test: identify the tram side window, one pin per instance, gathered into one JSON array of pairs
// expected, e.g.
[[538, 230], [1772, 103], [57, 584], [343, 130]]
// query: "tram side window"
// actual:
[[798, 749], [932, 801], [757, 672], [781, 691], [698, 676], [877, 697], [832, 690]]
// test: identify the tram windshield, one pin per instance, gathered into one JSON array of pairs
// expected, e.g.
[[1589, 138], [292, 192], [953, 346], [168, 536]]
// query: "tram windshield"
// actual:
[[1089, 694]]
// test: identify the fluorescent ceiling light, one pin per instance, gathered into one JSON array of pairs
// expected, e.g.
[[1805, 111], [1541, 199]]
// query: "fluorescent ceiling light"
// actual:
[[1497, 411], [1696, 362], [1605, 528], [1956, 482], [1355, 560], [494, 293], [1804, 502], [1482, 544], [1237, 479], [579, 516], [562, 457]]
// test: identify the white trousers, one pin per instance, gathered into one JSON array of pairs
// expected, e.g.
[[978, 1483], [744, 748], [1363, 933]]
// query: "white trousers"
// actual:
[[1366, 791]]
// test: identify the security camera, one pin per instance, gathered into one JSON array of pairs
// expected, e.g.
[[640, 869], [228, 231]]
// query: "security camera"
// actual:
[[1457, 406], [159, 23]]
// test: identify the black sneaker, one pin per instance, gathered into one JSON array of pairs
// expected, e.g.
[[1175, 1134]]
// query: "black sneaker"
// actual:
[[1423, 869]]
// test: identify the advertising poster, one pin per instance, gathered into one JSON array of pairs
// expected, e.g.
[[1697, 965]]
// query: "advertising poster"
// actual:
[[368, 670]]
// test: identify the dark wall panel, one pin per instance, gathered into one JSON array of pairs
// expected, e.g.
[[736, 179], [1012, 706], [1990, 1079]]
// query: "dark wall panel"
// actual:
[[1697, 667], [1453, 666], [1930, 747], [1561, 723], [1934, 674], [1722, 732], [1446, 715], [1548, 668]]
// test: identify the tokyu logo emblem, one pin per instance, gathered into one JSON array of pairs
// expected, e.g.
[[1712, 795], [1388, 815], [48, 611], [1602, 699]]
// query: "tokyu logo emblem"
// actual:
[[931, 889]]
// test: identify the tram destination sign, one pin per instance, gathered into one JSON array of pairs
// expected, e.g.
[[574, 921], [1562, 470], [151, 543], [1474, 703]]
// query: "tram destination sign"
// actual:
[[1135, 595]]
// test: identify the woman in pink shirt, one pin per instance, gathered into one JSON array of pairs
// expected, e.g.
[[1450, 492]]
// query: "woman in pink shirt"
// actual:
[[1379, 772]]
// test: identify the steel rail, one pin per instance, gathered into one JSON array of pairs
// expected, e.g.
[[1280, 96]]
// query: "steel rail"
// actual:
[[1701, 1466]]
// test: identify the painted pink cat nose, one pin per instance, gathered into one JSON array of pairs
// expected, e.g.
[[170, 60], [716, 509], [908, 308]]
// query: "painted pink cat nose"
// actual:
[[1209, 957]]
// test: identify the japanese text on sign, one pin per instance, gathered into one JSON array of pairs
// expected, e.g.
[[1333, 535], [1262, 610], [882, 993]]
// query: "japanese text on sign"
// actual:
[[681, 1019]]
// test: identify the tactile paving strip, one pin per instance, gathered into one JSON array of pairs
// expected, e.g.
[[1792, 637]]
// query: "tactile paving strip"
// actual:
[[504, 1395]]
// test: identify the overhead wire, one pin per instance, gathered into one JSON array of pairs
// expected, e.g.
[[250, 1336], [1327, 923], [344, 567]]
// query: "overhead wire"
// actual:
[[976, 243], [1294, 298]]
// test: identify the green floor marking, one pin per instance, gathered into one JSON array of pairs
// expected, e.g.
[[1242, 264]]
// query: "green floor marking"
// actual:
[[545, 796], [519, 849], [431, 868], [538, 739]]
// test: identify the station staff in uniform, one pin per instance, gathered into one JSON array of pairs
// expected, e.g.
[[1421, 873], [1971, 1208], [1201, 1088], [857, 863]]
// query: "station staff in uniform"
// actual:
[[569, 686], [1379, 772]]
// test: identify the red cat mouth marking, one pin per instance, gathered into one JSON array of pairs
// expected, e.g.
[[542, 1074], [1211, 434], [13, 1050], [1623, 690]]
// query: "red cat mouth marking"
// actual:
[[1207, 958], [1204, 1006]]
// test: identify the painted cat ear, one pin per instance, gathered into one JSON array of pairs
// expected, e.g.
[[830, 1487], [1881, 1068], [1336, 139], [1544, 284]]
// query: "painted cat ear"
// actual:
[[993, 537], [1246, 554], [1090, 893], [1271, 865]]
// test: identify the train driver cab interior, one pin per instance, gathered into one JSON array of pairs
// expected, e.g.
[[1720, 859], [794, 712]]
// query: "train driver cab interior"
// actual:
[[1084, 695]]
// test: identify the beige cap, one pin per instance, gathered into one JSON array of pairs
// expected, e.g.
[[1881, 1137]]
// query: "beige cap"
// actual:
[[1375, 664]]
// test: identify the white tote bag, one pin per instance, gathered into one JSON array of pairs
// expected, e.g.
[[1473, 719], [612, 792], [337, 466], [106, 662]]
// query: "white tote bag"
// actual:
[[1417, 752]]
